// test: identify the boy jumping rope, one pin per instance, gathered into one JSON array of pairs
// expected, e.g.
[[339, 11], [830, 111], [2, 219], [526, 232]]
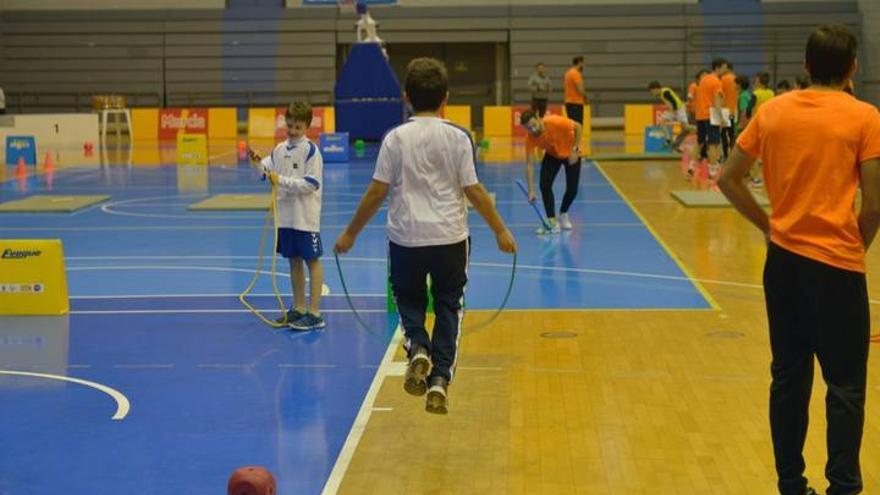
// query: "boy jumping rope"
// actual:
[[427, 168], [678, 113], [296, 167]]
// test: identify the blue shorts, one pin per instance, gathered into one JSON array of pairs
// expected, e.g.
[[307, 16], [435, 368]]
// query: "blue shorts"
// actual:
[[294, 243]]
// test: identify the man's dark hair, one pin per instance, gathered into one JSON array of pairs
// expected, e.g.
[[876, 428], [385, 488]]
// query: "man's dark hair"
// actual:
[[426, 83], [654, 85], [802, 81], [742, 82], [577, 60], [830, 54], [539, 64], [299, 111], [763, 78], [718, 62], [783, 85], [700, 73], [526, 116]]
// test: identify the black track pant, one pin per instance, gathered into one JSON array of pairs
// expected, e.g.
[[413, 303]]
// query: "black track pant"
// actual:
[[549, 170], [447, 266], [817, 310]]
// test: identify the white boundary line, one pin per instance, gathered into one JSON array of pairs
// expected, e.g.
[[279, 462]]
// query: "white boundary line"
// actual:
[[122, 404], [196, 311], [363, 417], [185, 296]]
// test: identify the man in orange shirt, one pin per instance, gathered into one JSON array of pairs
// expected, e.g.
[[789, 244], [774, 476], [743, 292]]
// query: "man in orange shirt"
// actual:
[[692, 95], [818, 146], [559, 137], [731, 95], [710, 98], [575, 95]]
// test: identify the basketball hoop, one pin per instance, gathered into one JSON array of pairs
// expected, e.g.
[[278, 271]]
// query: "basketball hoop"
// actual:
[[347, 6]]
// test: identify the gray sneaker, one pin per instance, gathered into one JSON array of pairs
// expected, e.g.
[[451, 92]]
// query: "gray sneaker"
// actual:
[[416, 372], [291, 316], [437, 401], [308, 322]]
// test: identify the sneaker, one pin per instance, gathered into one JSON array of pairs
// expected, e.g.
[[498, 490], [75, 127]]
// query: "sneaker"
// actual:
[[554, 229], [756, 182], [811, 491], [307, 322], [416, 372], [291, 316], [714, 169], [565, 222], [436, 402], [692, 167]]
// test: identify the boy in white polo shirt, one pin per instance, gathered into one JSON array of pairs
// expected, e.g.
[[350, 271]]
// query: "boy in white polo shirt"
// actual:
[[427, 166], [297, 167]]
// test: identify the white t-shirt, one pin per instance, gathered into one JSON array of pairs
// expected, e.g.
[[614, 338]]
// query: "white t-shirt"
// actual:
[[427, 162], [299, 166]]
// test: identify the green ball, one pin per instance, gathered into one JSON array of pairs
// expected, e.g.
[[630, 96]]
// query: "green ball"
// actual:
[[484, 143], [359, 144]]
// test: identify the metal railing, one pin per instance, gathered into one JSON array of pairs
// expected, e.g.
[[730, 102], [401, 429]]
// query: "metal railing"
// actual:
[[34, 102], [246, 98]]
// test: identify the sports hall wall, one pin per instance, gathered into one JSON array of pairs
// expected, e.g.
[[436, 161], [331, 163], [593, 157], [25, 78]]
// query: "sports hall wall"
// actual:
[[201, 54]]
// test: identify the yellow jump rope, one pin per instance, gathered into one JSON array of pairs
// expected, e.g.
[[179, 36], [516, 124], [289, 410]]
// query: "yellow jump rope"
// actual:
[[270, 220]]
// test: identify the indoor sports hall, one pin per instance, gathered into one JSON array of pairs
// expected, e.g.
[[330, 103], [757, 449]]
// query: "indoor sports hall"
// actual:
[[623, 349]]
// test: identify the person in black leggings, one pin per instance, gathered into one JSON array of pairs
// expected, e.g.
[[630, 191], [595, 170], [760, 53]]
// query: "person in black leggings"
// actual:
[[558, 136]]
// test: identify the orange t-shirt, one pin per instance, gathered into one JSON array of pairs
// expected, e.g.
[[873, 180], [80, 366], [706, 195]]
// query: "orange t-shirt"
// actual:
[[731, 92], [709, 86], [811, 143], [573, 77], [557, 138], [692, 97]]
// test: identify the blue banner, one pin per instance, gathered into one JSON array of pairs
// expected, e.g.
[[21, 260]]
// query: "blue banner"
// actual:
[[334, 146], [21, 147]]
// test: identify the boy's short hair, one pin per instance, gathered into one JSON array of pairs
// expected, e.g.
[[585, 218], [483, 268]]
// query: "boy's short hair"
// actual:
[[577, 60], [700, 73], [526, 116], [718, 62], [742, 82], [539, 64], [783, 85], [763, 78], [299, 111], [830, 53], [426, 83], [654, 85]]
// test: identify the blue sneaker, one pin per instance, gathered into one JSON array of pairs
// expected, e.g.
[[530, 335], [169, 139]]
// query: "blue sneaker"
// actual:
[[308, 322], [291, 316]]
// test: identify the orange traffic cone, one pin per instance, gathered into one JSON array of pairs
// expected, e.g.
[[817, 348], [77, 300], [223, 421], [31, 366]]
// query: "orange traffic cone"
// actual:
[[49, 169], [21, 174], [21, 167], [49, 165]]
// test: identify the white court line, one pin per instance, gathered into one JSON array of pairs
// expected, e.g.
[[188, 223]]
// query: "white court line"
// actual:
[[148, 228], [122, 404], [183, 296], [309, 366], [143, 366], [197, 311], [360, 422]]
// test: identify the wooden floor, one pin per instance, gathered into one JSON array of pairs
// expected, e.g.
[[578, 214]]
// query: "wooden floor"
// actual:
[[638, 402]]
